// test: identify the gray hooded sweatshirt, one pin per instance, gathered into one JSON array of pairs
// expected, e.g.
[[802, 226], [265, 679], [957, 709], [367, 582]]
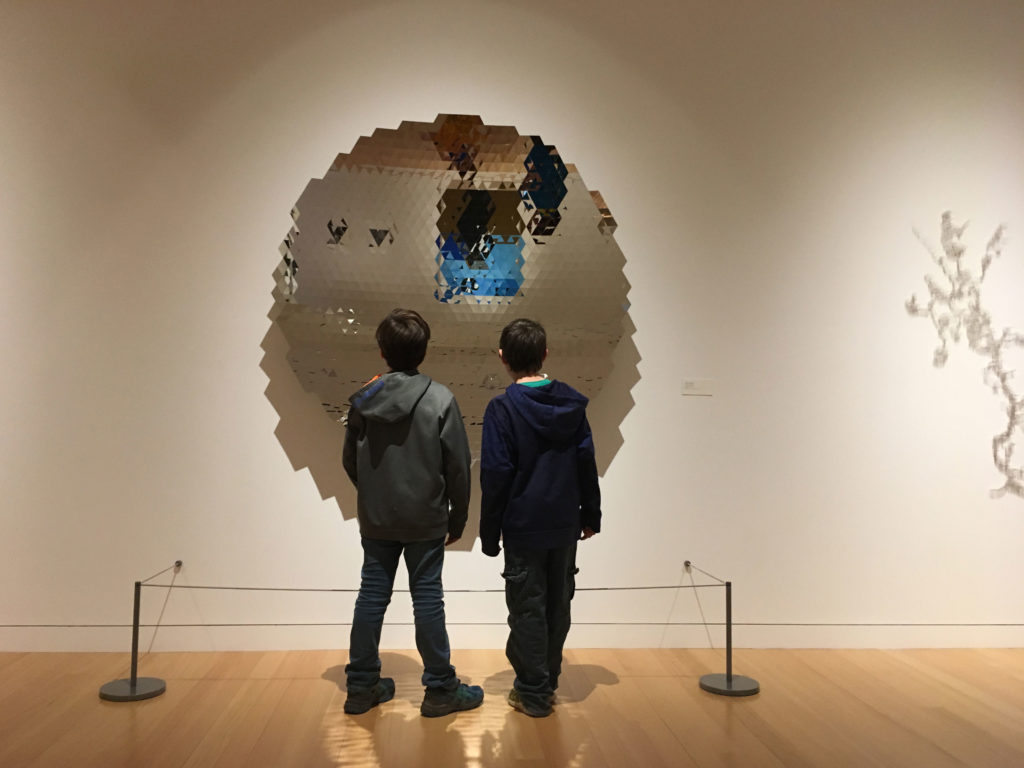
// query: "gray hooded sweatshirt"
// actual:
[[407, 454]]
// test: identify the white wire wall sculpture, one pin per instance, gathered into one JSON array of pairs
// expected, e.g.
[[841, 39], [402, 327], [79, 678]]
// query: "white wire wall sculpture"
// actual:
[[954, 305]]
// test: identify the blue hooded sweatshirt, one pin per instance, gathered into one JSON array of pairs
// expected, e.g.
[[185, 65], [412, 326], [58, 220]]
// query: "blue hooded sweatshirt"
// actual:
[[538, 476]]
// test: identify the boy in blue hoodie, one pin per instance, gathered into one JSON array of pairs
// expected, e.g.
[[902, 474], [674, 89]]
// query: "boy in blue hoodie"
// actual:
[[538, 480], [407, 454]]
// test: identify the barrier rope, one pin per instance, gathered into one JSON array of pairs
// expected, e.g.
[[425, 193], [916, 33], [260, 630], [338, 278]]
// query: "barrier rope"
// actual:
[[446, 591]]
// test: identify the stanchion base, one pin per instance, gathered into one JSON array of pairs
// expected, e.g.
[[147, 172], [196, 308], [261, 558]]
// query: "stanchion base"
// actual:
[[723, 686], [123, 690]]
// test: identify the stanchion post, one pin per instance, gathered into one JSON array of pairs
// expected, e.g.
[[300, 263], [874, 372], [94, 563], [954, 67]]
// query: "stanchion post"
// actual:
[[134, 688], [728, 632], [136, 610], [729, 684]]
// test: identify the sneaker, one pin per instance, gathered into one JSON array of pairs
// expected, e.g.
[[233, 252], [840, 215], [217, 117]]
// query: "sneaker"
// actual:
[[438, 702], [363, 701], [516, 702]]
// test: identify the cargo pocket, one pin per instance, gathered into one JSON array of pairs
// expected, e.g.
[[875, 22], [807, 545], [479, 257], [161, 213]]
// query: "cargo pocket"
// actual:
[[514, 575], [515, 590]]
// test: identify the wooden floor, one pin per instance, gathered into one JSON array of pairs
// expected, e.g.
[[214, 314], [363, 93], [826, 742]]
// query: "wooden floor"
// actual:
[[635, 708]]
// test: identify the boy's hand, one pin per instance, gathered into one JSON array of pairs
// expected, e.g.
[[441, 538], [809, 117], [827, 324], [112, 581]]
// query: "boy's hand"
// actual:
[[451, 540], [586, 533]]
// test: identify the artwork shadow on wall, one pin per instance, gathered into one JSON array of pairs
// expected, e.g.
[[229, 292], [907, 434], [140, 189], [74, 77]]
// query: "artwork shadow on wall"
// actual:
[[472, 226]]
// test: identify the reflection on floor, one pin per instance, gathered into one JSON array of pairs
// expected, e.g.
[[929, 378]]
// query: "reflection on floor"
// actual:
[[638, 708]]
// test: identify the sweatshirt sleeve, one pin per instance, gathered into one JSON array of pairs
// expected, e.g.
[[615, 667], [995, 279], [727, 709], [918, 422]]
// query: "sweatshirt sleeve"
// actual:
[[348, 454], [497, 472], [590, 491], [456, 460]]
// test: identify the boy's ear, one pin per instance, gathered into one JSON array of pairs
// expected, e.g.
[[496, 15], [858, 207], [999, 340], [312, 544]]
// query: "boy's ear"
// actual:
[[504, 362], [545, 356]]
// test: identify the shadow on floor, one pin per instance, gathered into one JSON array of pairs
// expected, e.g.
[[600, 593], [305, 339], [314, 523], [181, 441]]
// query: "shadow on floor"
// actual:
[[578, 681]]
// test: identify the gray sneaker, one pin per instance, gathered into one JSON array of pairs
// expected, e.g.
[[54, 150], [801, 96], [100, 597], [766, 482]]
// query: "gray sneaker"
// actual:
[[438, 702], [516, 702]]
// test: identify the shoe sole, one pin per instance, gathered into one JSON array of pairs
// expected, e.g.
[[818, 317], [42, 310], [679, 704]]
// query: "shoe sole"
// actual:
[[528, 713], [519, 707]]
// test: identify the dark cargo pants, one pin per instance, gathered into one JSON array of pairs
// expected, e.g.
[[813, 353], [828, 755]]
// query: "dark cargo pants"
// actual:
[[539, 586]]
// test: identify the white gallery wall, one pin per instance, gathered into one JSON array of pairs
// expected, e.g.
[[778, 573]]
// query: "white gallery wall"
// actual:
[[766, 163]]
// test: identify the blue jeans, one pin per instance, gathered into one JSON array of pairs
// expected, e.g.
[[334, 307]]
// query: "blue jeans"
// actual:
[[423, 559], [539, 587]]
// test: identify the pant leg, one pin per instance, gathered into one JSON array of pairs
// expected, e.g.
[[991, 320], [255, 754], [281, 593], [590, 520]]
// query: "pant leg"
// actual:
[[526, 586], [424, 560], [380, 562], [561, 574]]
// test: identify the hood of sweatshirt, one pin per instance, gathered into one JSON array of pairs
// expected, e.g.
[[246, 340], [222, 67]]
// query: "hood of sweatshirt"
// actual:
[[554, 410], [390, 397]]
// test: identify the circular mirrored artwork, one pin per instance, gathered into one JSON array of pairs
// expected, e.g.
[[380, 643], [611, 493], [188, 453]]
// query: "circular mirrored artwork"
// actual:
[[472, 226]]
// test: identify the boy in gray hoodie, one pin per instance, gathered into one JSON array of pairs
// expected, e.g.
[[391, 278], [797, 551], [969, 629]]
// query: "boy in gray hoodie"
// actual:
[[407, 454]]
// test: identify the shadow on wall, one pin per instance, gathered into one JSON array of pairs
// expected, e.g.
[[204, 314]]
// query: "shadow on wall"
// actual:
[[310, 440], [609, 409]]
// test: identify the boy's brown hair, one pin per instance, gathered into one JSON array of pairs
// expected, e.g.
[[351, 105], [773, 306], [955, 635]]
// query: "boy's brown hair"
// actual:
[[402, 337], [523, 346]]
